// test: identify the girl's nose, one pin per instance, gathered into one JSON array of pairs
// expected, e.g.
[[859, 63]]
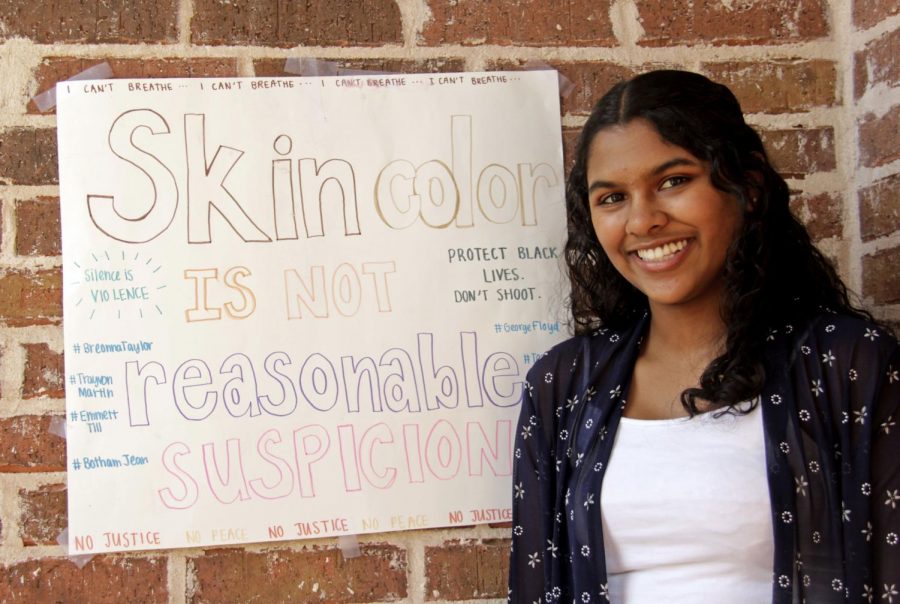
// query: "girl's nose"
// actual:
[[645, 215]]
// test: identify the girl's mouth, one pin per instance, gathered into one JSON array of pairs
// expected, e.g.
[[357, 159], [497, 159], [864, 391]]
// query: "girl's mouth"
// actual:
[[663, 252]]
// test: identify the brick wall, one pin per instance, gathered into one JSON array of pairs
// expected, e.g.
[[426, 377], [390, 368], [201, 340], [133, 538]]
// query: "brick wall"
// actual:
[[820, 79]]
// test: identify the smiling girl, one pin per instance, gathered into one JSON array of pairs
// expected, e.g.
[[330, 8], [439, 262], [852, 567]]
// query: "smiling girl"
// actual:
[[736, 408]]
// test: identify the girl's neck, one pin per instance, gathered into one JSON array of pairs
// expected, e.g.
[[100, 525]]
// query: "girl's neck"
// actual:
[[681, 342], [695, 332]]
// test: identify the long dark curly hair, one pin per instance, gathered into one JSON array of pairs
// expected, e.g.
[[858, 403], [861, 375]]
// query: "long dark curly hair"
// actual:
[[773, 273]]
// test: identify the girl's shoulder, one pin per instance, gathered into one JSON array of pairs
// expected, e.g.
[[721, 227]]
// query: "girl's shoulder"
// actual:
[[572, 366], [845, 336], [596, 347], [843, 361]]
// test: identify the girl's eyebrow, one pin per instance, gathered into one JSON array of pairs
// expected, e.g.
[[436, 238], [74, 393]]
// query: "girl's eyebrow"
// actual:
[[676, 161]]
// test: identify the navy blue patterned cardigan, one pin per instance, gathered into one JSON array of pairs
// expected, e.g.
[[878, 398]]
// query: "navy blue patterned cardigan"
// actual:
[[831, 416]]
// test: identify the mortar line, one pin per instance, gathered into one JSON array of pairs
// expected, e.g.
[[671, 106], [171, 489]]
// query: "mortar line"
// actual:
[[846, 145]]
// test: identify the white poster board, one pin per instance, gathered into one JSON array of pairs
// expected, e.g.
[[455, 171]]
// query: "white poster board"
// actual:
[[302, 307]]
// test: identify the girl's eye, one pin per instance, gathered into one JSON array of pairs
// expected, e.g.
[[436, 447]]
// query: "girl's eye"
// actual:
[[609, 199], [673, 181]]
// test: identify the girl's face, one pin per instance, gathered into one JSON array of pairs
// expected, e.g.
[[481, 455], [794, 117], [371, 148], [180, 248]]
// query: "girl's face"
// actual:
[[657, 215]]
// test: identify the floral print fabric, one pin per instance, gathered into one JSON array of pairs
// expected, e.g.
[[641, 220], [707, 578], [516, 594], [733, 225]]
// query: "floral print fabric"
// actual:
[[831, 408]]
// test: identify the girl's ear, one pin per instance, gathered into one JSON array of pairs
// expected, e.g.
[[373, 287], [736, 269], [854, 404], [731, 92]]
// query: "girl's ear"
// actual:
[[756, 180], [755, 189]]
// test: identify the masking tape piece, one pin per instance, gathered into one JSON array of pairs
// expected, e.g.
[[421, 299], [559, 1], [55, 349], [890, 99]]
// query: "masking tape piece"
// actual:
[[566, 86], [46, 100], [361, 72], [306, 66], [349, 545], [57, 426], [317, 67], [79, 560]]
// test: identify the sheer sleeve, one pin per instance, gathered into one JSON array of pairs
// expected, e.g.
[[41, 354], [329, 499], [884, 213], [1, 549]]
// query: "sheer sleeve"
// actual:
[[533, 501], [844, 451], [860, 366], [884, 533]]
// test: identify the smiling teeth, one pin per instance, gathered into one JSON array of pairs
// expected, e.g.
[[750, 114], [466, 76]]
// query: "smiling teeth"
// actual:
[[663, 251]]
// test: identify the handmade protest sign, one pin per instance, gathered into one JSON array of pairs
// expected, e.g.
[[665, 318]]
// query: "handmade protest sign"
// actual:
[[302, 307]]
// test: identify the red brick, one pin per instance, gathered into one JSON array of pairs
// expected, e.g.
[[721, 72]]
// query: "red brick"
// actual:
[[668, 23], [520, 23], [881, 279], [867, 13], [467, 571], [43, 514], [28, 156], [278, 23], [37, 227], [44, 374], [821, 214], [56, 69], [801, 151], [879, 208], [592, 79], [878, 138], [27, 445], [270, 68], [91, 21], [307, 575], [104, 580], [786, 86], [877, 63], [275, 67], [30, 297]]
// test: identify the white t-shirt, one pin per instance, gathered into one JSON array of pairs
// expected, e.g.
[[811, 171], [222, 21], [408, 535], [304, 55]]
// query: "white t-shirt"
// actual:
[[686, 512]]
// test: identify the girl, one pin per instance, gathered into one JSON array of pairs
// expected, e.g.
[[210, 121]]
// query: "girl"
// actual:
[[738, 411]]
